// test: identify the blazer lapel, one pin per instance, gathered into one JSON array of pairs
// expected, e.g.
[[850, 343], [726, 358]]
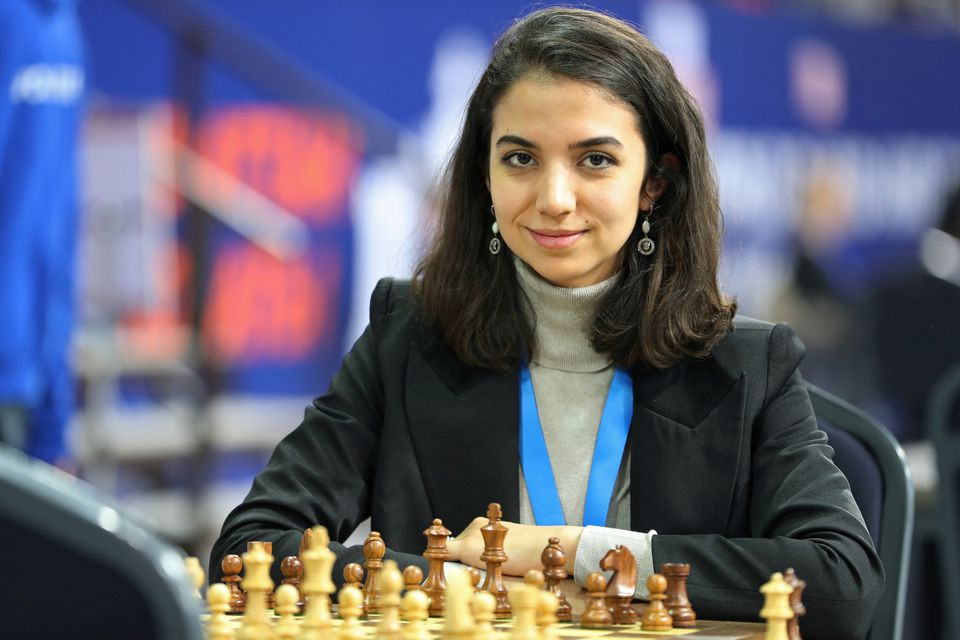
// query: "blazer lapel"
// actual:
[[686, 439], [464, 427]]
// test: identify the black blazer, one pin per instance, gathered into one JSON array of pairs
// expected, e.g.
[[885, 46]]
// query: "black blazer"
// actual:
[[728, 466]]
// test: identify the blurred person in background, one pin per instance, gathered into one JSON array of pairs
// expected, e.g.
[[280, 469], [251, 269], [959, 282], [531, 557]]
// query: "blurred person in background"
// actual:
[[915, 321], [42, 81]]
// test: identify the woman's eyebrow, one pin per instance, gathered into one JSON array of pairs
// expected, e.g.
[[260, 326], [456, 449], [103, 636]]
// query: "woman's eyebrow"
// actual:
[[597, 142], [517, 140]]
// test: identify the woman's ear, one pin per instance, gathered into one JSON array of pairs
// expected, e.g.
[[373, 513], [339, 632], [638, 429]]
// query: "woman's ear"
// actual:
[[659, 180]]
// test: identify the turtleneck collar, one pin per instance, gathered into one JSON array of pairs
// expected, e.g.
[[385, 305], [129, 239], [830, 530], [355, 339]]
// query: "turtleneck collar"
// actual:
[[563, 321]]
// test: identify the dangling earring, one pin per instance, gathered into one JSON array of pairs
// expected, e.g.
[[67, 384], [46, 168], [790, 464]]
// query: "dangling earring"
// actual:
[[646, 246], [494, 245]]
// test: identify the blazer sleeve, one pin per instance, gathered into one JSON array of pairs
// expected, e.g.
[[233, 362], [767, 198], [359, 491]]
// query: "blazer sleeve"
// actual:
[[322, 471], [802, 515]]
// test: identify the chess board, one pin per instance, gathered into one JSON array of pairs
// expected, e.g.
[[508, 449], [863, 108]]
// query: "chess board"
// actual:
[[705, 630]]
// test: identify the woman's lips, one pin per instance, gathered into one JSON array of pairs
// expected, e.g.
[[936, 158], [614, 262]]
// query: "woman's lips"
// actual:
[[555, 239]]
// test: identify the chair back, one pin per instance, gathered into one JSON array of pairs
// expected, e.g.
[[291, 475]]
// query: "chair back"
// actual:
[[880, 481], [79, 568]]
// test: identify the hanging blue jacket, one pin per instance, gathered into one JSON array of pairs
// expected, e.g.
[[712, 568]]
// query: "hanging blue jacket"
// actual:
[[41, 96]]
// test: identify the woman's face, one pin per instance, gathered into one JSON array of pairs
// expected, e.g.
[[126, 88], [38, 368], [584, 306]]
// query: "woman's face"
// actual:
[[567, 165]]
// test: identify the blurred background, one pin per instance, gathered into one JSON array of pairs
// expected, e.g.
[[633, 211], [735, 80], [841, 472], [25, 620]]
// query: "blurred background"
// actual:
[[197, 197]]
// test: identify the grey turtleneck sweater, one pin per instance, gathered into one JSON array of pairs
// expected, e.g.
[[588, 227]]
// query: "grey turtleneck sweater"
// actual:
[[570, 381]]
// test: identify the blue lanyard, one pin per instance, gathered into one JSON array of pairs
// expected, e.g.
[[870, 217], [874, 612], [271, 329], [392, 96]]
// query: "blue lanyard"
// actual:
[[607, 453]]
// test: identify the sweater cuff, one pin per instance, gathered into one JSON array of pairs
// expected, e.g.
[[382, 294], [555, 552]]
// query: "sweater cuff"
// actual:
[[595, 542]]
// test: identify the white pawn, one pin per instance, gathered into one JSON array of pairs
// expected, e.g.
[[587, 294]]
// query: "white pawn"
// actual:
[[286, 597], [196, 573], [218, 600], [350, 601], [459, 619], [547, 603], [484, 605], [416, 609], [391, 584], [523, 601], [776, 607]]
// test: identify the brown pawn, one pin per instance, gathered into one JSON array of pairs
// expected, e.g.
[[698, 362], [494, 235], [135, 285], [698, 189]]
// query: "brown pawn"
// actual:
[[353, 577], [436, 554], [232, 565], [494, 534], [292, 570], [677, 602], [412, 578], [656, 618], [596, 615], [474, 578], [268, 547], [554, 559], [373, 551], [796, 604]]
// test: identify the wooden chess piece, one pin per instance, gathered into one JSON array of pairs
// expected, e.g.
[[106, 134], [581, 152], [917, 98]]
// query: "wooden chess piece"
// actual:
[[268, 547], [494, 533], [484, 604], [436, 554], [554, 559], [796, 603], [677, 602], [412, 578], [391, 584], [219, 626], [291, 568], [317, 585], [306, 540], [656, 618], [622, 584], [416, 605], [596, 615], [196, 573], [353, 575], [474, 574], [349, 601], [373, 550], [523, 600], [776, 607], [256, 583], [287, 608], [458, 618], [547, 604], [232, 565]]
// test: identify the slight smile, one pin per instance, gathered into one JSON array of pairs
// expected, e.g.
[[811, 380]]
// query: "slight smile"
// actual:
[[555, 239]]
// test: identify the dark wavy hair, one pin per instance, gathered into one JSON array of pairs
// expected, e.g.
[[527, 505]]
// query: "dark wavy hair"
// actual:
[[665, 307]]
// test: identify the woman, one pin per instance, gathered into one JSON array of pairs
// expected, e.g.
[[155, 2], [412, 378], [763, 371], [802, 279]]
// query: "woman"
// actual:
[[573, 279]]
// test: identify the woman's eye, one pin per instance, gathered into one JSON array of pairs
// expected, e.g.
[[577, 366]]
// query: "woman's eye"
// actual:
[[598, 160], [519, 159]]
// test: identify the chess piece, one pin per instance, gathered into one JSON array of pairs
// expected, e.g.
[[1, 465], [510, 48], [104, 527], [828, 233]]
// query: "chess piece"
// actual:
[[656, 618], [596, 615], [373, 550], [677, 602], [391, 584], [268, 547], [196, 573], [306, 540], [494, 534], [291, 568], [458, 619], [287, 597], [474, 574], [412, 578], [416, 605], [256, 583], [317, 584], [547, 604], [622, 584], [484, 604], [349, 601], [232, 565], [436, 554], [523, 601], [796, 603], [353, 577], [554, 558], [218, 600], [776, 607], [534, 578]]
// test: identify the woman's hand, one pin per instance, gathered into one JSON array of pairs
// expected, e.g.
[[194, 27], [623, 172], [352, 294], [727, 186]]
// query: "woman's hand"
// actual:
[[523, 545]]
